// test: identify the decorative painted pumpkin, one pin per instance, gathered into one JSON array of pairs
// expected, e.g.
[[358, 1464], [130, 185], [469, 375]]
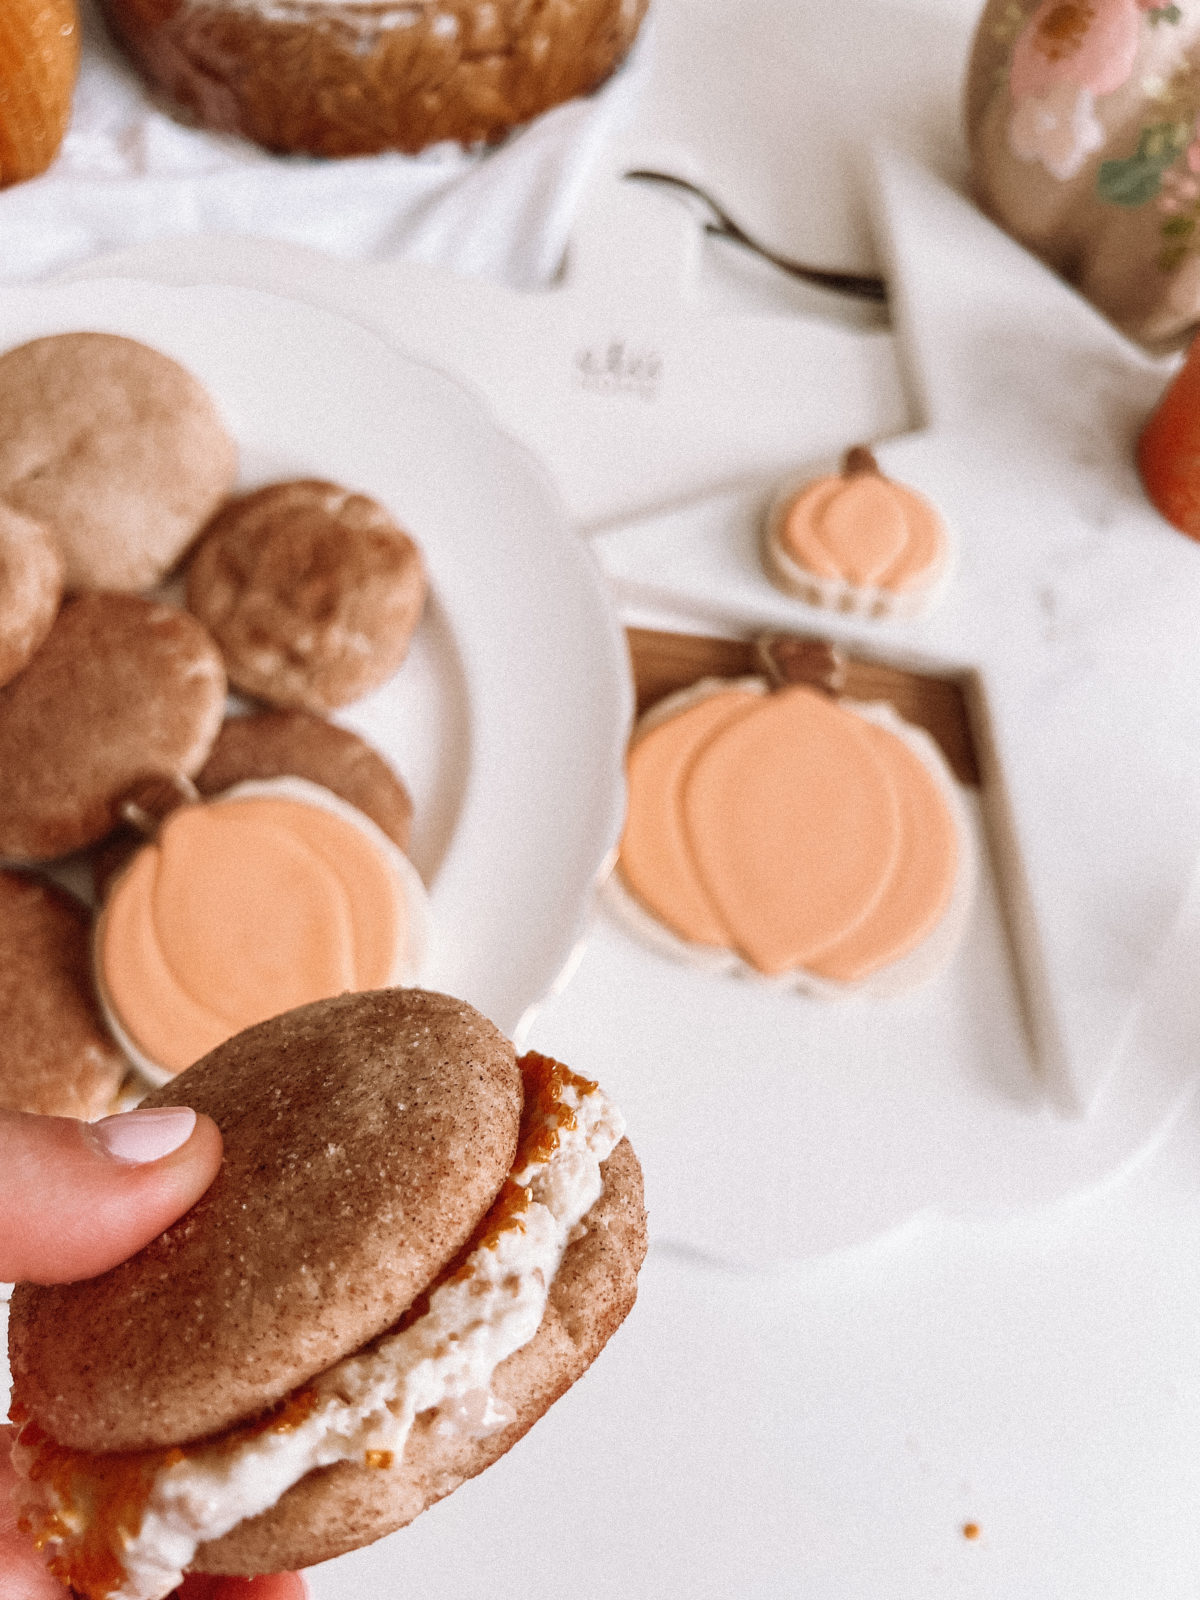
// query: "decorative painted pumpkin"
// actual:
[[1083, 120], [39, 60], [1168, 452], [857, 540]]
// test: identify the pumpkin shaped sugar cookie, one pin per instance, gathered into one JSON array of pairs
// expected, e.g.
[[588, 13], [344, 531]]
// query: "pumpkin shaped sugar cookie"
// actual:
[[857, 541], [263, 898], [783, 835]]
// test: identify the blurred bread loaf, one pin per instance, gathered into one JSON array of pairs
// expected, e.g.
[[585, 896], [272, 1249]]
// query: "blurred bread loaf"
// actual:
[[351, 77], [39, 58]]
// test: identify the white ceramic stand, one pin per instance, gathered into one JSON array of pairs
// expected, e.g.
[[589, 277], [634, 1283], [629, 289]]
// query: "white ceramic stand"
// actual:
[[1068, 609]]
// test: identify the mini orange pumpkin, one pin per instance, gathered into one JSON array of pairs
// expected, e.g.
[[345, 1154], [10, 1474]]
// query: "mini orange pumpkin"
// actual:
[[1168, 452], [856, 541], [39, 61]]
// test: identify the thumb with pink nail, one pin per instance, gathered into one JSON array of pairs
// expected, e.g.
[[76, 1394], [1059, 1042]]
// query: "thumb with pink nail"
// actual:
[[76, 1198]]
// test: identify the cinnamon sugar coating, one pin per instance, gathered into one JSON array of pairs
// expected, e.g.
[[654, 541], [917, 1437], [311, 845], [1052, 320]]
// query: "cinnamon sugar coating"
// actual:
[[339, 1508], [56, 1056], [350, 79], [312, 592], [31, 585], [121, 689], [116, 449]]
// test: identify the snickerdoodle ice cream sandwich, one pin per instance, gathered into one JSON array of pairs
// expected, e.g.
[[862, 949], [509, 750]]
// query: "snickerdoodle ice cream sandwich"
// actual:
[[415, 1244]]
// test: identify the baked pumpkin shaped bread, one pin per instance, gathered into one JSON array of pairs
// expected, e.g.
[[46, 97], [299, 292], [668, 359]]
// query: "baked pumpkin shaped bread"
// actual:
[[350, 77]]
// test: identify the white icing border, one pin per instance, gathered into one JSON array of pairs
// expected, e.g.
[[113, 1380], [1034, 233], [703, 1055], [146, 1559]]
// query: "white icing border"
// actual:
[[918, 966]]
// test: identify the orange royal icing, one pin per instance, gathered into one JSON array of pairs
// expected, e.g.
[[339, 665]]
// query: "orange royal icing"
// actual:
[[789, 829], [865, 529], [239, 910]]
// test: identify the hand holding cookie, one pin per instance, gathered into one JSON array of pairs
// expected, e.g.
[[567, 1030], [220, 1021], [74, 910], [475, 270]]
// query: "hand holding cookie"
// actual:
[[74, 1201]]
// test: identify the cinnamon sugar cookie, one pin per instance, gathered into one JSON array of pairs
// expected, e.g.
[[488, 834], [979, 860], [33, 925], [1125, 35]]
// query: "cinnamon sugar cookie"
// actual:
[[31, 583], [311, 591], [285, 744], [56, 1056], [116, 449], [122, 689], [295, 744]]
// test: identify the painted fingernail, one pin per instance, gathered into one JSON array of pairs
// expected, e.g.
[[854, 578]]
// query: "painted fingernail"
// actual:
[[146, 1135]]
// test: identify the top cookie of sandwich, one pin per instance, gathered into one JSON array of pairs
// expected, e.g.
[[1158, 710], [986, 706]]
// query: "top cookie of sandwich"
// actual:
[[311, 591], [116, 449], [364, 1138]]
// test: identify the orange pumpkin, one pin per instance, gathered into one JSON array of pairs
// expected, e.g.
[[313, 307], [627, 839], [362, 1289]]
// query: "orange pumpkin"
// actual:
[[39, 60], [1168, 452]]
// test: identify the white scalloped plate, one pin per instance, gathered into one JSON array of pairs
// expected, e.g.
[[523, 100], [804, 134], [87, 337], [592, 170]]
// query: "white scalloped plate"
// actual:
[[508, 720]]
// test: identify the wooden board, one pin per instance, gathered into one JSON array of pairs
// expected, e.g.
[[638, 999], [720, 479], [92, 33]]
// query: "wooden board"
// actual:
[[664, 662]]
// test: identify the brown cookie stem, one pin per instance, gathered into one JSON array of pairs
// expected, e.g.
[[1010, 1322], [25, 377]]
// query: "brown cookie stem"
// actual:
[[858, 460], [788, 658]]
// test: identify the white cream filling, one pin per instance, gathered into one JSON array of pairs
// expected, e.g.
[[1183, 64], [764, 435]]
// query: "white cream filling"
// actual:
[[444, 1361]]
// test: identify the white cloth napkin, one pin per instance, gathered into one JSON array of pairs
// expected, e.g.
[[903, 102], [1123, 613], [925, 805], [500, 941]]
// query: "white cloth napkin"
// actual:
[[129, 172]]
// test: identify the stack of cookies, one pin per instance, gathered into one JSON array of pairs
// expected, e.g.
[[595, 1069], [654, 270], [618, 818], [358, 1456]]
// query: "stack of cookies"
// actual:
[[117, 473]]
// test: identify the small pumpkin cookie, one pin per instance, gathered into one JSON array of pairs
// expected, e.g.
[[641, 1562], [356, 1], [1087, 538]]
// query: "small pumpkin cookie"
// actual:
[[116, 449], [312, 592], [857, 541], [31, 583], [56, 1056], [39, 60], [123, 688]]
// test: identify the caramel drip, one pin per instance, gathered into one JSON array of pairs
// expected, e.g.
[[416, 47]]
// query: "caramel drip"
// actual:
[[101, 1499]]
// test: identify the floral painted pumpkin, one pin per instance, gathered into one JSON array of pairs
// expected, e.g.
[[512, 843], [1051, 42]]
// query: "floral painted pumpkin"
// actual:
[[39, 58], [1083, 120]]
